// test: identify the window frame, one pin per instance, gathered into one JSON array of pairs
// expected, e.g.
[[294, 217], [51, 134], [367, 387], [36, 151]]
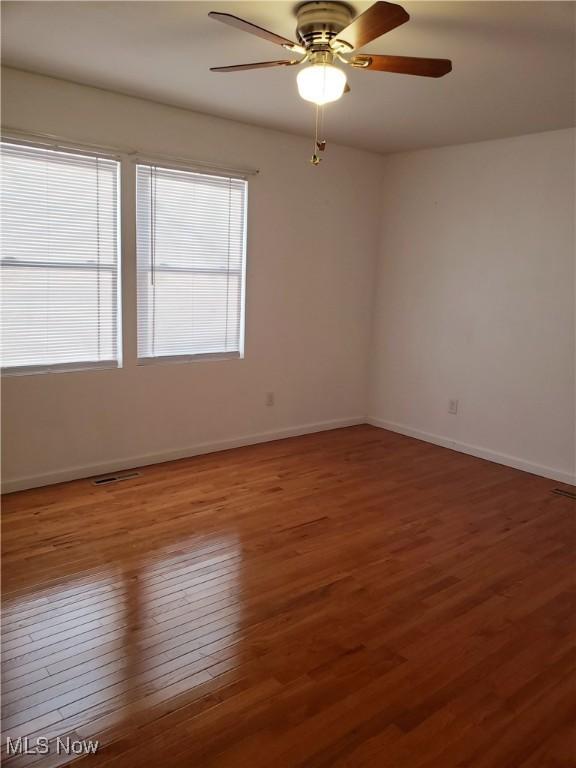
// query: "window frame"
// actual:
[[117, 318], [191, 357]]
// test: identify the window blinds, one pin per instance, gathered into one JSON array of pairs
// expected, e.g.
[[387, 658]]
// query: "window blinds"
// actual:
[[59, 260], [191, 255]]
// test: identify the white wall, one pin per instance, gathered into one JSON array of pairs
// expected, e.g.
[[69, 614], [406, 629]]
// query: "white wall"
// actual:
[[475, 300], [312, 240]]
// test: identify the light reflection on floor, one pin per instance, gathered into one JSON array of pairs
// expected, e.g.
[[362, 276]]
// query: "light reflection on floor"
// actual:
[[106, 648]]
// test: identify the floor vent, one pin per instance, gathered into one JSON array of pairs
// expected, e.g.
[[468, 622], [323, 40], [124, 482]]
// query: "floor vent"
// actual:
[[117, 478], [567, 494]]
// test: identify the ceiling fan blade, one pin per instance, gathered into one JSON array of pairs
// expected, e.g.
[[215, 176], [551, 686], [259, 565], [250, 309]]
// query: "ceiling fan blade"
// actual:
[[254, 29], [404, 65], [377, 20], [256, 65]]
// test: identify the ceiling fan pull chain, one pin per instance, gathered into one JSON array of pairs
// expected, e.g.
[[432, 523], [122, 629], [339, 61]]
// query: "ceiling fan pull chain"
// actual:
[[315, 159], [321, 143]]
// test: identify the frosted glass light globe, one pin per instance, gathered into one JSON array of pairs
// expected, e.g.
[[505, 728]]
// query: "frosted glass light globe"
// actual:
[[321, 83]]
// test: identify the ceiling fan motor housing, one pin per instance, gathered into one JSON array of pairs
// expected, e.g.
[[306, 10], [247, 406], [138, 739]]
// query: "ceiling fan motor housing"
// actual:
[[320, 22]]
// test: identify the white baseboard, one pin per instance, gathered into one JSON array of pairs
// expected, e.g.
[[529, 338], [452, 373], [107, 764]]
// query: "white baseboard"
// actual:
[[90, 470], [473, 450]]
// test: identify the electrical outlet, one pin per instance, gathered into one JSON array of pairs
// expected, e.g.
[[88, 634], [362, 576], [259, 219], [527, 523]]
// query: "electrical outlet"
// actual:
[[269, 398], [453, 407]]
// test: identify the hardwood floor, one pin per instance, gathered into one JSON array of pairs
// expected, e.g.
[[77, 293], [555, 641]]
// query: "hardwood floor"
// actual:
[[349, 598]]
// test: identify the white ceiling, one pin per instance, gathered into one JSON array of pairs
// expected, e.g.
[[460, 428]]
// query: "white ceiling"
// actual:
[[513, 66]]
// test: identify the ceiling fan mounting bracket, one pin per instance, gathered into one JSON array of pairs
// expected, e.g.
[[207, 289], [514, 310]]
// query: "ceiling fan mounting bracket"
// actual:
[[318, 23], [360, 62]]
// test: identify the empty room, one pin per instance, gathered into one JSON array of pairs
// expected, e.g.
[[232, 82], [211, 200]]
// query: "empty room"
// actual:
[[288, 384]]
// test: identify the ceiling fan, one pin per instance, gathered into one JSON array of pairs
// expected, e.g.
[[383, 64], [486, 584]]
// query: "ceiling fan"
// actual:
[[328, 33]]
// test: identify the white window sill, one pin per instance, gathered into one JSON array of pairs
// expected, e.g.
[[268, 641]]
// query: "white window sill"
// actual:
[[190, 358], [35, 370]]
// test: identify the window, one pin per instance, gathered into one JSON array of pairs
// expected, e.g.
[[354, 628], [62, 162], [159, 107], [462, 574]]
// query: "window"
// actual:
[[191, 257], [59, 262]]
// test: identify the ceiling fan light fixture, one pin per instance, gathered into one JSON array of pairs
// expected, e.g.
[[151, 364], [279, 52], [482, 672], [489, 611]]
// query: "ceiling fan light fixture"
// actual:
[[321, 83], [328, 31]]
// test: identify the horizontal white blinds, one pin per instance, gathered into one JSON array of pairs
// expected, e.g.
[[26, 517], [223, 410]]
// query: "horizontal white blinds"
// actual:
[[191, 252], [59, 259]]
